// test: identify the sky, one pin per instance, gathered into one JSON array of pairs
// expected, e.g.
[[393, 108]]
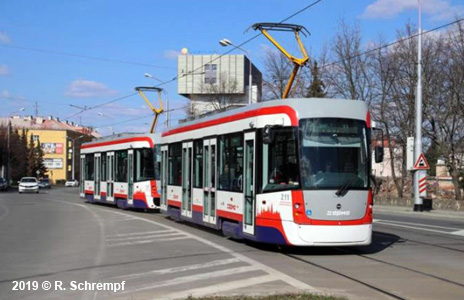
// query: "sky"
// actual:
[[86, 53]]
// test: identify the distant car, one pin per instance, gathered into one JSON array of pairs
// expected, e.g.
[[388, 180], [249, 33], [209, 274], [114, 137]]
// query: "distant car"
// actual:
[[28, 184], [71, 183], [3, 184], [44, 183]]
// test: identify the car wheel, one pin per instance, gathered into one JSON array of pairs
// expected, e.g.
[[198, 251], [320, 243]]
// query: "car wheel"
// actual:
[[37, 192]]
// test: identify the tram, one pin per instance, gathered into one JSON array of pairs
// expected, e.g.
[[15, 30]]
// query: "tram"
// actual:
[[121, 170], [291, 171]]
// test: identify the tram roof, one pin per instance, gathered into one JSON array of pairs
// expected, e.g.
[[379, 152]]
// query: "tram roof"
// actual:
[[121, 136], [304, 108]]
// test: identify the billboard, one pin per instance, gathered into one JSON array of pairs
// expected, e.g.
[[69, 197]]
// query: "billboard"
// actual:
[[53, 163], [52, 148]]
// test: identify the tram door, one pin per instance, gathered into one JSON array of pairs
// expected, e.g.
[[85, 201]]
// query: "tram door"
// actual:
[[130, 179], [110, 176], [164, 176], [187, 155], [209, 181], [249, 183], [97, 175]]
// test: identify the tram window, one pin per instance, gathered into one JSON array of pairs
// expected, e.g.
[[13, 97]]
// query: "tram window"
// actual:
[[144, 165], [175, 164], [121, 166], [280, 161], [89, 167], [198, 164], [103, 167], [157, 162], [230, 162]]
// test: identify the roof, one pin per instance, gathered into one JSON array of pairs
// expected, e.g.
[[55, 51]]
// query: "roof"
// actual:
[[49, 123]]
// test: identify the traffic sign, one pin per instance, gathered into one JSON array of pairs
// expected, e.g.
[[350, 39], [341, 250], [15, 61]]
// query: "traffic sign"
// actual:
[[422, 163]]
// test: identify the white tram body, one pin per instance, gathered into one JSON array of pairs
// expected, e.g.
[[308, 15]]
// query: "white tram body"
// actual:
[[121, 170], [293, 171]]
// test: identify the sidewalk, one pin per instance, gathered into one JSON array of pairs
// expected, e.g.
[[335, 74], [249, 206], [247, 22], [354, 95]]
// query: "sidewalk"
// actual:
[[425, 214]]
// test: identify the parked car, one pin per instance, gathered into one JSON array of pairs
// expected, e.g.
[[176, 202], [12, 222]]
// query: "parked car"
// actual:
[[28, 184], [71, 183], [44, 183], [3, 184]]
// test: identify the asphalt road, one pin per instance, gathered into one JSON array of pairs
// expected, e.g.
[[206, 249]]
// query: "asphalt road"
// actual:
[[55, 237]]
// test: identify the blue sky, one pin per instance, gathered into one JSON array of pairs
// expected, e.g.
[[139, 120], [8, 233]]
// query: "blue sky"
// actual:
[[152, 33]]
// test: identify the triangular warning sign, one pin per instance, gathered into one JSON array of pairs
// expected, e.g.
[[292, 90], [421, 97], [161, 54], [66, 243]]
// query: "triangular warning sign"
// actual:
[[422, 163]]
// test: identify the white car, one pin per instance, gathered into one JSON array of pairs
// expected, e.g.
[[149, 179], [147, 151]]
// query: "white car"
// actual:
[[28, 184], [71, 183]]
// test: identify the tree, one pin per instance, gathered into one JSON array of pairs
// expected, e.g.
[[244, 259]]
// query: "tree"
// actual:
[[40, 161], [317, 87]]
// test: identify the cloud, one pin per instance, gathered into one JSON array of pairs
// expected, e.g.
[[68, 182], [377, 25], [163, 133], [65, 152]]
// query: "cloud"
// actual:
[[171, 54], [82, 88], [439, 10], [4, 38], [4, 71], [5, 94]]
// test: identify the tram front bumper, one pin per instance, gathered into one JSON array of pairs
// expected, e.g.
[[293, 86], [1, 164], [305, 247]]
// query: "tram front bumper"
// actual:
[[330, 235]]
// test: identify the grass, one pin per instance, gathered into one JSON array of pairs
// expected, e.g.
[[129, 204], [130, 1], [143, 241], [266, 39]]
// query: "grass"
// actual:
[[273, 297]]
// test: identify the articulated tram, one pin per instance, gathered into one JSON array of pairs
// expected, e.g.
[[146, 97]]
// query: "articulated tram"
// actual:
[[293, 171], [121, 170]]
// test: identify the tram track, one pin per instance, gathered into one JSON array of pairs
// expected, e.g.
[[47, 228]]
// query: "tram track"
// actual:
[[364, 283]]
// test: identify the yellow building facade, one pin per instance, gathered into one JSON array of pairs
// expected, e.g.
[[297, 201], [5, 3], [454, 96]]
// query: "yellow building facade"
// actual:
[[57, 148]]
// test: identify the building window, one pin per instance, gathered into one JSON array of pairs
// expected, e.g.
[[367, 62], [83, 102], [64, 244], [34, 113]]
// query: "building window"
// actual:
[[210, 73], [230, 162], [35, 138], [121, 166], [175, 164]]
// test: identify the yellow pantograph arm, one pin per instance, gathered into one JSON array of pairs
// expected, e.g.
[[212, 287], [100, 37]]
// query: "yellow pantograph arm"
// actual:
[[297, 62], [156, 111]]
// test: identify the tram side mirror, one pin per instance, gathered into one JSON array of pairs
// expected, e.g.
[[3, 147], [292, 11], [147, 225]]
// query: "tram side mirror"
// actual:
[[267, 134], [378, 154]]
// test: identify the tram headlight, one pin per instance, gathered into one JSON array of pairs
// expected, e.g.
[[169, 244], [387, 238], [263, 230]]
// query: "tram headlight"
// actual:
[[297, 205]]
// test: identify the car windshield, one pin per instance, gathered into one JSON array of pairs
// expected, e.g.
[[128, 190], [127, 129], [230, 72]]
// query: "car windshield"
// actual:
[[25, 180], [44, 180], [2, 180], [334, 153]]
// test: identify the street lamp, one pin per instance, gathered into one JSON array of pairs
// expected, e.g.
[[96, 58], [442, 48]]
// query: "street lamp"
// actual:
[[74, 153], [8, 145], [148, 75], [225, 43]]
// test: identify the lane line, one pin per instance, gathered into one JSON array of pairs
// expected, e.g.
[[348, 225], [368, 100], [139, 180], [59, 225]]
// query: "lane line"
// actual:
[[141, 237], [412, 227], [218, 288], [192, 278], [147, 241], [138, 233], [419, 224], [459, 232], [210, 264]]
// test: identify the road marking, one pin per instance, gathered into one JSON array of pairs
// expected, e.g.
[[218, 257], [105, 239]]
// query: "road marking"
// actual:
[[196, 277], [412, 227], [273, 272], [140, 233], [210, 264], [459, 232], [147, 241], [141, 237], [218, 288], [420, 224]]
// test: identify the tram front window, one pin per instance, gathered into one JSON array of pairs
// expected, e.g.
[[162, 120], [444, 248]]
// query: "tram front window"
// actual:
[[333, 154], [280, 161]]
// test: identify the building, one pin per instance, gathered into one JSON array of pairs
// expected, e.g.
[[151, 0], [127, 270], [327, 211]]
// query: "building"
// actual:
[[213, 82], [58, 141]]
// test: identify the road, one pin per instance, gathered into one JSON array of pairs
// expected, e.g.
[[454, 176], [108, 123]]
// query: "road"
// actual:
[[56, 237]]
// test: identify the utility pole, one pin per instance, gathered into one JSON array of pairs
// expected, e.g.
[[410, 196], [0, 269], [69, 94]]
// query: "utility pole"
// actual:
[[418, 174], [36, 109]]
